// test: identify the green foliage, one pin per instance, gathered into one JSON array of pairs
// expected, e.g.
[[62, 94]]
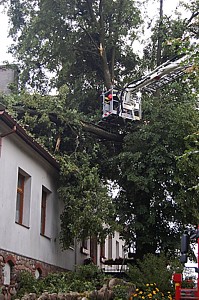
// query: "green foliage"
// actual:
[[120, 292], [64, 37], [154, 268], [85, 278], [27, 284], [147, 202], [151, 291], [87, 205], [187, 176]]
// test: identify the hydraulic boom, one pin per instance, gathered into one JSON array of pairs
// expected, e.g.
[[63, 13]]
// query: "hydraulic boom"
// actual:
[[126, 103]]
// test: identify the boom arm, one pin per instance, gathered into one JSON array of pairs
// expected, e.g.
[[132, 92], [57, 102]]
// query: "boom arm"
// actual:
[[163, 74], [126, 104]]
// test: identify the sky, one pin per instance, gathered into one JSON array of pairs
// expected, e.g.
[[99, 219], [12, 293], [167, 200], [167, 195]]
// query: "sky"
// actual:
[[152, 10]]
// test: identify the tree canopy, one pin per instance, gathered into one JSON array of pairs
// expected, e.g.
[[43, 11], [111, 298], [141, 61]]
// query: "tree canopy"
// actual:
[[87, 44]]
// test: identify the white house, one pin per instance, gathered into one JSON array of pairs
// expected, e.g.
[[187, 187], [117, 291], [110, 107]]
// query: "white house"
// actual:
[[30, 211]]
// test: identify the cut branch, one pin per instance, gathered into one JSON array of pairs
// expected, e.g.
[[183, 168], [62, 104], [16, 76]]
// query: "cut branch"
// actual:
[[86, 126], [89, 127]]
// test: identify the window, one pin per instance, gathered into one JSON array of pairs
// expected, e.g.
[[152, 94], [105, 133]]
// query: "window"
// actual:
[[22, 214], [110, 242], [102, 249], [7, 273], [84, 247], [117, 249], [47, 213], [43, 212], [38, 273], [20, 199], [85, 243]]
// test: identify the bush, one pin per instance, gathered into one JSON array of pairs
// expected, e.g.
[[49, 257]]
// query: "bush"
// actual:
[[27, 284], [150, 292], [85, 278], [121, 292], [152, 269]]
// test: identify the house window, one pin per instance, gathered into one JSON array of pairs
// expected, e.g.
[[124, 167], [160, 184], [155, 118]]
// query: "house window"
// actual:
[[22, 215], [7, 273], [84, 247], [20, 199], [102, 250], [43, 212], [38, 273], [117, 249], [85, 243], [46, 220], [110, 246]]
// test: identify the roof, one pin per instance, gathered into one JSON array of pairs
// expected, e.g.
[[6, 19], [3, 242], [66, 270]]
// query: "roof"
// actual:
[[20, 131]]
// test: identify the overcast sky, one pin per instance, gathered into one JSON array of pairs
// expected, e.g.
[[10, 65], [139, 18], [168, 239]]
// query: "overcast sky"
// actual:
[[169, 7]]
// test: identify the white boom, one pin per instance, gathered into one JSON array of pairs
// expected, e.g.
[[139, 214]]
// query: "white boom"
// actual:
[[126, 103]]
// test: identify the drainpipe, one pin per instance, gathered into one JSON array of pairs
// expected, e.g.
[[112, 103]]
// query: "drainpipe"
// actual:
[[6, 134]]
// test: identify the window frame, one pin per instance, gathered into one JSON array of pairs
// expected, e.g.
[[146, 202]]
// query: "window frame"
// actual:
[[43, 212], [110, 246], [20, 192]]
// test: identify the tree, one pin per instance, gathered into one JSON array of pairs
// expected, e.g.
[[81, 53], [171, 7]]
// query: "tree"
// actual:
[[147, 202], [81, 41], [188, 178]]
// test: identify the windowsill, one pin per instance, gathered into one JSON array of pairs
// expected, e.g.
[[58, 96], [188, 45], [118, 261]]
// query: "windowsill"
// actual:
[[45, 236], [25, 226]]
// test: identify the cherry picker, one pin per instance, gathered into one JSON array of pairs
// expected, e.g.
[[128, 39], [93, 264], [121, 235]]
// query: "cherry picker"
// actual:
[[120, 104]]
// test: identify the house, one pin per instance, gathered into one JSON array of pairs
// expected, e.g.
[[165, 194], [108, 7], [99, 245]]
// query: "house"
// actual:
[[30, 211], [8, 78]]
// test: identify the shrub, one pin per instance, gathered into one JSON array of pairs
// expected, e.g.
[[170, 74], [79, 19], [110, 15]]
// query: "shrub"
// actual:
[[152, 269], [27, 284], [150, 292], [121, 292], [85, 278]]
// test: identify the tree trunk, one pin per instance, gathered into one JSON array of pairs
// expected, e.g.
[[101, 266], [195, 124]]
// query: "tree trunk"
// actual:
[[105, 66]]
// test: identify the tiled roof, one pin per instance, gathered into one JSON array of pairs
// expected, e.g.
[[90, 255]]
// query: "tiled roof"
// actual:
[[21, 132]]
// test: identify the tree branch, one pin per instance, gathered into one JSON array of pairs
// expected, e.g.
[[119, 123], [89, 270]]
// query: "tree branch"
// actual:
[[89, 127], [86, 126], [192, 17]]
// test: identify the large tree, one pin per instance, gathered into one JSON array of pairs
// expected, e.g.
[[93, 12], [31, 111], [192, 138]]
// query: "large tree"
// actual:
[[81, 42], [84, 43], [148, 202]]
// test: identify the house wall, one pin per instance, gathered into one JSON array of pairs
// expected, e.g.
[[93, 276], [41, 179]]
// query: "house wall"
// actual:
[[117, 246], [8, 75], [25, 243], [22, 246]]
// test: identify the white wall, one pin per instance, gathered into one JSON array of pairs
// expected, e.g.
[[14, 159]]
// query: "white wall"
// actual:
[[16, 154]]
